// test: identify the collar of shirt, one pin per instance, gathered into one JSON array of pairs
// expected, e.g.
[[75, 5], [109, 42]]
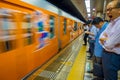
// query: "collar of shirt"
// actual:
[[114, 21]]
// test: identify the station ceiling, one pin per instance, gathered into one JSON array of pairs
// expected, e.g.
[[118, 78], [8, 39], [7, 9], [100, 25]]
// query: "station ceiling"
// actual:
[[77, 8], [69, 7]]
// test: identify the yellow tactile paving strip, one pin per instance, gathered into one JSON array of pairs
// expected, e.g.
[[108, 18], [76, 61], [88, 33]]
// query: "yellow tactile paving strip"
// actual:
[[78, 69]]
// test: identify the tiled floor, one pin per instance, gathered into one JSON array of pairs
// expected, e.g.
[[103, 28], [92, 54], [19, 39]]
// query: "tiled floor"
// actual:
[[88, 76], [89, 63]]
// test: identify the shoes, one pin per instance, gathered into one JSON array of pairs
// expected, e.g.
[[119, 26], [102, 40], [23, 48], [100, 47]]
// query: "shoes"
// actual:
[[98, 78], [84, 44], [90, 58], [91, 71], [88, 51]]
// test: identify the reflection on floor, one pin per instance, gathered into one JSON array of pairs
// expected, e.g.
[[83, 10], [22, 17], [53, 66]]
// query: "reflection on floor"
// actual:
[[89, 67], [89, 63]]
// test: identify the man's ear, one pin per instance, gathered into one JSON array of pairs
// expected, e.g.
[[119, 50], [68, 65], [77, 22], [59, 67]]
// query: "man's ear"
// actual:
[[119, 12]]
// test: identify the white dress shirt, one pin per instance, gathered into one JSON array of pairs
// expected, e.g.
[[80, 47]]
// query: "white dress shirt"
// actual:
[[112, 33], [93, 30]]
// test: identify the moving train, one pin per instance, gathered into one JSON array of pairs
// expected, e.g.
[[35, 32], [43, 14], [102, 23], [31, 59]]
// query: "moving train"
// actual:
[[31, 35]]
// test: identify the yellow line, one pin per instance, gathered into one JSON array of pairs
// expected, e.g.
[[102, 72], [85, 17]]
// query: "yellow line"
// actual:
[[77, 71]]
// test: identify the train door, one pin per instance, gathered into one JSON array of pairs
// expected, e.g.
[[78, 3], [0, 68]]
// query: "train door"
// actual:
[[75, 29], [64, 33]]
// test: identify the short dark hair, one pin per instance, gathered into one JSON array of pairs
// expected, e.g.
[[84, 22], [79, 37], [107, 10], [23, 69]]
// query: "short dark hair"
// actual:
[[89, 22], [97, 20], [106, 20]]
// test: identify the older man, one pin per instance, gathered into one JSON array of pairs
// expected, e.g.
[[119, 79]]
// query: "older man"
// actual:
[[91, 38], [110, 40]]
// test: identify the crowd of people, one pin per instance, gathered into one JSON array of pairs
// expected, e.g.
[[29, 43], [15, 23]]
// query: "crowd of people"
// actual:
[[104, 43]]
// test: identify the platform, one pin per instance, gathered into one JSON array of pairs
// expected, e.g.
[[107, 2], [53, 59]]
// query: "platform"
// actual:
[[71, 63]]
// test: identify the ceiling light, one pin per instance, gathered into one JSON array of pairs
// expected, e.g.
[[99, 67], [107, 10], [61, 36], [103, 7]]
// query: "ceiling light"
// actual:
[[93, 9]]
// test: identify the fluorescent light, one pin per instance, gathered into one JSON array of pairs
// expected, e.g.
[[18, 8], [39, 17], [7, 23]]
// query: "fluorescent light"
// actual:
[[87, 3], [89, 15], [88, 10], [93, 9]]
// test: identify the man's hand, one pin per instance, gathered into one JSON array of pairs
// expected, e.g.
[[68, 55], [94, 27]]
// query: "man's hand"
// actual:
[[102, 40], [87, 32], [105, 35], [90, 33]]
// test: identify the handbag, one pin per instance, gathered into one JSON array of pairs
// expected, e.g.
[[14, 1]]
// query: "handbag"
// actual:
[[98, 70]]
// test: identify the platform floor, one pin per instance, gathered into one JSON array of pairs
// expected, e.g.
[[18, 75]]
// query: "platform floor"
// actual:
[[71, 63]]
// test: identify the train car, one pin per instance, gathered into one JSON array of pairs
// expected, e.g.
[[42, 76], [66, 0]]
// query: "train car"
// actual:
[[30, 36]]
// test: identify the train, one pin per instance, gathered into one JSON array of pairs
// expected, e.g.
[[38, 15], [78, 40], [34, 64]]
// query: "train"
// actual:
[[31, 35]]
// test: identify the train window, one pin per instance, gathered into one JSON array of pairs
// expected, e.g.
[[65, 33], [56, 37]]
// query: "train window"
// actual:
[[7, 30], [75, 26], [65, 25], [52, 25], [27, 29]]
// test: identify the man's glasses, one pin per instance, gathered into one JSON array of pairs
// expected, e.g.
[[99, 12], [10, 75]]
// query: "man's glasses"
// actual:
[[110, 9]]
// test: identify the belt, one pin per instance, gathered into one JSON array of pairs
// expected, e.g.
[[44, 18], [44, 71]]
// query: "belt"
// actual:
[[110, 52]]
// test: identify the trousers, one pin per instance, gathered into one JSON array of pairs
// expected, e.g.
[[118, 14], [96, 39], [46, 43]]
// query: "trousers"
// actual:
[[111, 65]]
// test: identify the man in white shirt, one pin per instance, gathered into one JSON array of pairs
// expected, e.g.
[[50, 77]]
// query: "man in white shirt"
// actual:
[[86, 28], [110, 40], [91, 38]]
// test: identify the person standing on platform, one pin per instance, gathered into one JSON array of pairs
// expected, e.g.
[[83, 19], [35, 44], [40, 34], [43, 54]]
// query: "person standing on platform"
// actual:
[[110, 40], [86, 28], [91, 38], [98, 50]]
